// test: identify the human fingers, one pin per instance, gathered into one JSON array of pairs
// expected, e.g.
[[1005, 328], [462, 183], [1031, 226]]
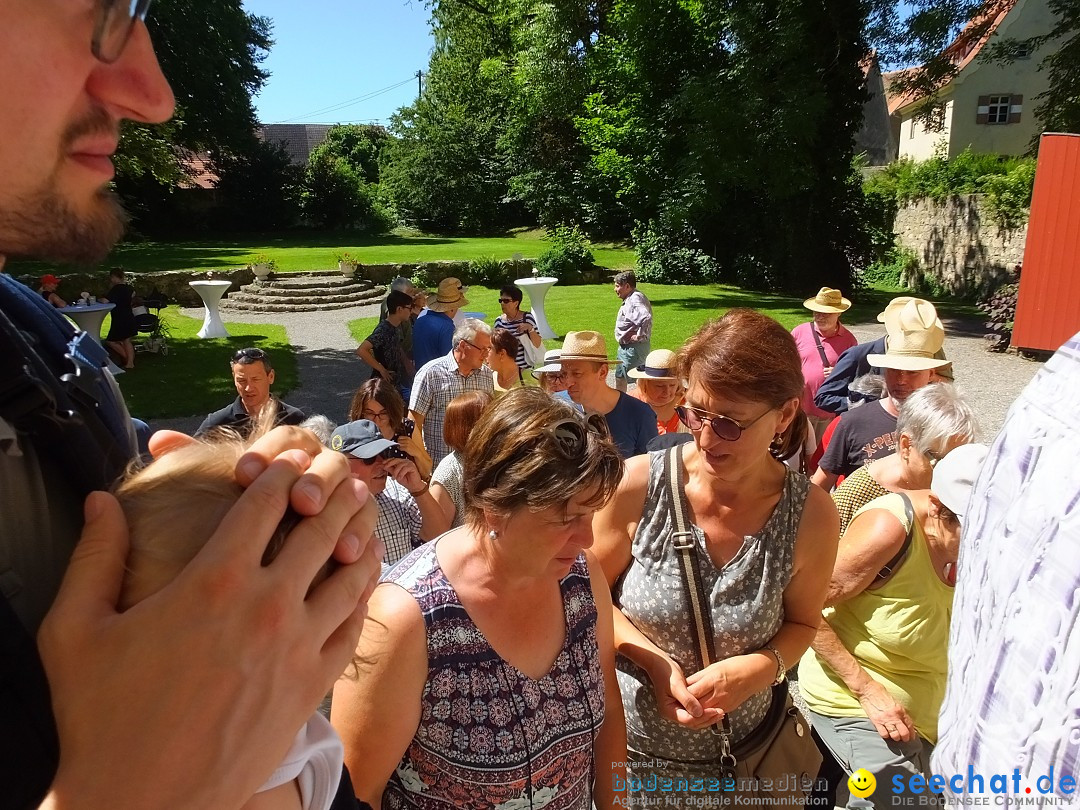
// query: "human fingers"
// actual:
[[95, 573], [165, 441], [358, 534], [268, 447], [708, 718], [328, 470], [335, 601], [312, 542]]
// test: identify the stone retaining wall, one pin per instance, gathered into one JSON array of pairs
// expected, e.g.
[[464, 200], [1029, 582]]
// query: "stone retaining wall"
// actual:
[[958, 246]]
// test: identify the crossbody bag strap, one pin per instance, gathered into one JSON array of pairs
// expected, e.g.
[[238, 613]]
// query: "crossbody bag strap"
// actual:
[[890, 567], [820, 348], [694, 591]]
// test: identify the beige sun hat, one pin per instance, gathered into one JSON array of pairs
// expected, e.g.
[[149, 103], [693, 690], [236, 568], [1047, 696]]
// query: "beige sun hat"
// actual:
[[584, 345], [450, 296], [915, 335], [827, 300], [551, 362], [658, 365]]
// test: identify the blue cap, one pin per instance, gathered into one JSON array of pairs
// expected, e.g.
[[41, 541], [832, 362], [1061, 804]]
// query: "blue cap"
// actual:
[[361, 439]]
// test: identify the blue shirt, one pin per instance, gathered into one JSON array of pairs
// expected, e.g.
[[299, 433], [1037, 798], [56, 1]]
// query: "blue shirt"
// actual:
[[432, 337], [632, 424]]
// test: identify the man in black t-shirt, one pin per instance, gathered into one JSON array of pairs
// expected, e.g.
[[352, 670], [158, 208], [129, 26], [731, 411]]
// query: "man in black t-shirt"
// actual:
[[384, 348], [868, 433]]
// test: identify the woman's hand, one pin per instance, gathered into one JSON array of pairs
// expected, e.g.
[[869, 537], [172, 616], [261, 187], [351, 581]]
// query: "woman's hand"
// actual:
[[674, 701], [724, 685], [409, 445], [889, 718]]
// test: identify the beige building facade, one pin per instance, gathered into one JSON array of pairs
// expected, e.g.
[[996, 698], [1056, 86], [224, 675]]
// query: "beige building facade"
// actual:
[[988, 106]]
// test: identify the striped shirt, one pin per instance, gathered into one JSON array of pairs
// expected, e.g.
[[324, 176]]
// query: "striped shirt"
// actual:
[[502, 322], [435, 385]]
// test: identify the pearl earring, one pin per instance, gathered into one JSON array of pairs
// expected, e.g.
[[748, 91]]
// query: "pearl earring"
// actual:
[[493, 535]]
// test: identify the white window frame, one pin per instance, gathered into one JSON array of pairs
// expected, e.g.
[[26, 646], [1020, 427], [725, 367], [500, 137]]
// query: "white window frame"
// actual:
[[997, 111]]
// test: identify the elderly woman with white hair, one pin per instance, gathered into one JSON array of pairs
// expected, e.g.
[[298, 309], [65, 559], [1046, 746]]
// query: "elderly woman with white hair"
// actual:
[[932, 421]]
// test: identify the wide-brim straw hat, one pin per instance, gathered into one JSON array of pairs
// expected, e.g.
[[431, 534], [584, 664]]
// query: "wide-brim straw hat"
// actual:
[[449, 296], [912, 349], [657, 367], [905, 314], [827, 300], [584, 345], [551, 362]]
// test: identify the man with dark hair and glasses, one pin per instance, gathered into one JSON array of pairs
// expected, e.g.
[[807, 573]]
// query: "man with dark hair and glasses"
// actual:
[[192, 697], [252, 374]]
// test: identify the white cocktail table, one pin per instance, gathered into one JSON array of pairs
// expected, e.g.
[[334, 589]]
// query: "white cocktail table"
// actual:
[[210, 292], [89, 318], [537, 288]]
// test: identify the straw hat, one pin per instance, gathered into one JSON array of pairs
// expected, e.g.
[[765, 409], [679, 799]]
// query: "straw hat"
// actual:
[[551, 362], [450, 296], [585, 345], [912, 349], [657, 367], [827, 300], [906, 314]]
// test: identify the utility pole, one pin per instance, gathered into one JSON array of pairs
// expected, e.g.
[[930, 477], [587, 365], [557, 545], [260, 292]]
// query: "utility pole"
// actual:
[[419, 83]]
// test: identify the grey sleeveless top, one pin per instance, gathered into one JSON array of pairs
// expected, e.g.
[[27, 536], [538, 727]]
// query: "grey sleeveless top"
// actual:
[[746, 599]]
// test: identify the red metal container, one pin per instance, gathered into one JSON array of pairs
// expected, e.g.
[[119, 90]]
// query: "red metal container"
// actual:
[[1048, 308]]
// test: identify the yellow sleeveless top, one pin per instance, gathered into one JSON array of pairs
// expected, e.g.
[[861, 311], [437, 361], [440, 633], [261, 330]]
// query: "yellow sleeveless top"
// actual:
[[899, 633]]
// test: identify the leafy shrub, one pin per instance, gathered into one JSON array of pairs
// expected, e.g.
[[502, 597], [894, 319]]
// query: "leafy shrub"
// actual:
[[335, 196], [670, 255], [1008, 196], [570, 256], [487, 271], [896, 269], [1000, 309]]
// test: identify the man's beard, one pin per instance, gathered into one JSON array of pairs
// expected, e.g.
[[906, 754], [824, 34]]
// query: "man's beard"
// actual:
[[46, 227]]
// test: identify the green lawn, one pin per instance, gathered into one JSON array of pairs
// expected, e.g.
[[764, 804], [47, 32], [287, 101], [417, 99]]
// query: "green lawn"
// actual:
[[194, 377], [678, 310], [312, 251]]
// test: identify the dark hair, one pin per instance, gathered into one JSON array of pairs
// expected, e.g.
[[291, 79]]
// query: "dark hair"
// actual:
[[462, 414], [385, 394], [117, 272], [510, 291], [748, 356], [504, 340], [245, 357], [511, 463], [397, 299], [626, 277]]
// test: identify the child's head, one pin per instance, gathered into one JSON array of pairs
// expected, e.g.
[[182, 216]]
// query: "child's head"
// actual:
[[175, 504]]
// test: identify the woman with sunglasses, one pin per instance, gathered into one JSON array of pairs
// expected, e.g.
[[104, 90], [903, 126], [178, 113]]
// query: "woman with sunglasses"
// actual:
[[521, 324], [875, 678], [762, 547], [491, 682], [380, 402]]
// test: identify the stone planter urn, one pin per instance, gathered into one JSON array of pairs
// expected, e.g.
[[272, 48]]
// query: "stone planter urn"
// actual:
[[347, 269], [261, 270]]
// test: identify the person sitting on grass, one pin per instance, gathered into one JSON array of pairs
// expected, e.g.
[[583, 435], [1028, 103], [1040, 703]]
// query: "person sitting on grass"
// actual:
[[166, 533]]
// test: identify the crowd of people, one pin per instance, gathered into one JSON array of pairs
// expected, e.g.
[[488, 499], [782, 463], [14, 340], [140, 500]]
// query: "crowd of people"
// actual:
[[521, 596]]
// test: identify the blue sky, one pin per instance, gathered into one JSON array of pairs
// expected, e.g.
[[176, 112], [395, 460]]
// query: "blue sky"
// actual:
[[335, 52]]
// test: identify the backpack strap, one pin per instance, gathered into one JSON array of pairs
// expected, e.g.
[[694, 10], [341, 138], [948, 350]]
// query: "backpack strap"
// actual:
[[890, 567]]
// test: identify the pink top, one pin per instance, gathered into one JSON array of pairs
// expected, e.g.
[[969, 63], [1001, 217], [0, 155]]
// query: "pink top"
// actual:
[[812, 370]]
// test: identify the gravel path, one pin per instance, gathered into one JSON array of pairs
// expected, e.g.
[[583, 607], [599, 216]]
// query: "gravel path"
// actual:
[[329, 371]]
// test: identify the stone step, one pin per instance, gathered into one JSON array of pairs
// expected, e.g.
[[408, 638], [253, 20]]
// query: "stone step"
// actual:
[[278, 291], [242, 306], [301, 282], [347, 298]]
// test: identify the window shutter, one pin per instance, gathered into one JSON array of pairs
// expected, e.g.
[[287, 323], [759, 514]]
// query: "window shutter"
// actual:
[[982, 114], [1016, 106]]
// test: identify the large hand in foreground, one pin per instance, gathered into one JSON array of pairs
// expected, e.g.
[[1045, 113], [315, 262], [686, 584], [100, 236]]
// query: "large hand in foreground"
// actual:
[[190, 698]]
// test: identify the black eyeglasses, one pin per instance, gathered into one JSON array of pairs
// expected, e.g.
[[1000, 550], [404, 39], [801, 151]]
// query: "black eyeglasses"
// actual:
[[248, 354], [724, 427], [486, 350], [115, 21], [506, 300]]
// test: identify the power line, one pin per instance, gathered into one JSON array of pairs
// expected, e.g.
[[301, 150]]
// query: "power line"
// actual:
[[342, 105]]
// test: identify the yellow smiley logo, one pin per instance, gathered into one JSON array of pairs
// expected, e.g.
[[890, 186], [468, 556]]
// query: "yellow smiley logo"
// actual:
[[862, 783]]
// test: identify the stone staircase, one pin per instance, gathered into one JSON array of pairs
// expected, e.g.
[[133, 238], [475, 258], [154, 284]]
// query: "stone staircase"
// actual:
[[304, 292]]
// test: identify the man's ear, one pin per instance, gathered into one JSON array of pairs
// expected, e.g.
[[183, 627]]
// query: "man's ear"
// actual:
[[270, 377]]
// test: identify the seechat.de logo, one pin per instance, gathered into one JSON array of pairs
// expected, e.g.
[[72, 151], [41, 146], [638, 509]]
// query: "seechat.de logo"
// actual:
[[862, 783]]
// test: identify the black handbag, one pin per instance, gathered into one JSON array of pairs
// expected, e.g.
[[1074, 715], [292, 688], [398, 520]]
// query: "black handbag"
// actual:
[[778, 759]]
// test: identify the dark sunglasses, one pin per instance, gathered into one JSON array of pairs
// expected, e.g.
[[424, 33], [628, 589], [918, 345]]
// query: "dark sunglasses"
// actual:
[[506, 300], [249, 354], [385, 455], [855, 396], [115, 21], [724, 427]]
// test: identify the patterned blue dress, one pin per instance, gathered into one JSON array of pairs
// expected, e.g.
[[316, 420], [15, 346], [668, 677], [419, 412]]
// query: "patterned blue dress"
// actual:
[[489, 735]]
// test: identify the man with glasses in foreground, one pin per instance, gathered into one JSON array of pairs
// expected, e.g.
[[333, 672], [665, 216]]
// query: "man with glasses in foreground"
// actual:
[[252, 374], [408, 514], [444, 378], [192, 697]]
